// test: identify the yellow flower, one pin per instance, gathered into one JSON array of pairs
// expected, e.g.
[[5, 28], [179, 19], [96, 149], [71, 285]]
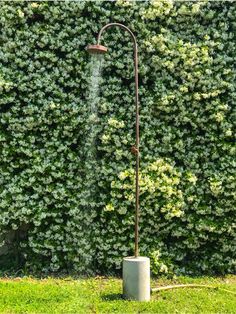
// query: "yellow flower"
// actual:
[[109, 208], [34, 4], [20, 13]]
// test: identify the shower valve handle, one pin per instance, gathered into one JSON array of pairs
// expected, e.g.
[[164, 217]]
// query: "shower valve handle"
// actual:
[[134, 150]]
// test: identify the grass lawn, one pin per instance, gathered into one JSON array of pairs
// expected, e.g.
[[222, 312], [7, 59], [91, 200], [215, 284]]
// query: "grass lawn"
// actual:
[[103, 295]]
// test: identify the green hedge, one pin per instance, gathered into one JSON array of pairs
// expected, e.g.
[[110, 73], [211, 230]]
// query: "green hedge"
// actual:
[[67, 174]]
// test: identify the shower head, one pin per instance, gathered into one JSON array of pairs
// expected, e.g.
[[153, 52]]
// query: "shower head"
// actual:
[[96, 49]]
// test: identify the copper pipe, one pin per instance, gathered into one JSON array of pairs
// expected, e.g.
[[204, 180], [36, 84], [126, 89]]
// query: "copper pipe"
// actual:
[[135, 149]]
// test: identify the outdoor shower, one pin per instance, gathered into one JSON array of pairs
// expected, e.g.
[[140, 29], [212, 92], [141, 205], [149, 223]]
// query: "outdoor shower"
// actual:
[[136, 270], [100, 50]]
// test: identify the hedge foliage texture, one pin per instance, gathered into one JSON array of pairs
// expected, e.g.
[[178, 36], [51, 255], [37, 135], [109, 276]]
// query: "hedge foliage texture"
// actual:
[[67, 173]]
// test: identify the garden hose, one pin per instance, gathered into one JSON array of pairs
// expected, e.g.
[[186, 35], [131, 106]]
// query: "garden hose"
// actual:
[[189, 286]]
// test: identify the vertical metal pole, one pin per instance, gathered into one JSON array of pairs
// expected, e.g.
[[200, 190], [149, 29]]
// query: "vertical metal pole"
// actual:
[[136, 251], [136, 148]]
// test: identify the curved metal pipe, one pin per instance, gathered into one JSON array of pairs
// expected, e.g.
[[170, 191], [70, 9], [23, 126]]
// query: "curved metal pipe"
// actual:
[[119, 25], [135, 149]]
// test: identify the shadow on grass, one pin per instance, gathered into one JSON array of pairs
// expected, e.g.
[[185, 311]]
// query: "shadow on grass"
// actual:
[[112, 297]]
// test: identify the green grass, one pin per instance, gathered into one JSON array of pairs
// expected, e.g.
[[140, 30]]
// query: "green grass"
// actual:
[[103, 295]]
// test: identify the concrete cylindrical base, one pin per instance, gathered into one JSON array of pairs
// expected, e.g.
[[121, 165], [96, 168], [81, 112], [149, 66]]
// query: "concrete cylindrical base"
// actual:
[[136, 278]]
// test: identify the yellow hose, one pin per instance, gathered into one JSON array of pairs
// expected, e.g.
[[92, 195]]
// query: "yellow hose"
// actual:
[[189, 286]]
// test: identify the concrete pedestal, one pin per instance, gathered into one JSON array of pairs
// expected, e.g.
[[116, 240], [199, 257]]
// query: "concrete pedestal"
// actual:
[[136, 278]]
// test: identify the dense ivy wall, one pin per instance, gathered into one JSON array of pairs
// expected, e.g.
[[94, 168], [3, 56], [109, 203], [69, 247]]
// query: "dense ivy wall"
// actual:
[[70, 197]]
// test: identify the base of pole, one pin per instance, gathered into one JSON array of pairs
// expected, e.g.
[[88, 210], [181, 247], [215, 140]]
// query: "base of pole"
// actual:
[[136, 278]]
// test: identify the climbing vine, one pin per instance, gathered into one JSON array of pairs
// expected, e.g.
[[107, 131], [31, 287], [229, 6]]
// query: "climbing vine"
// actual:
[[71, 203]]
